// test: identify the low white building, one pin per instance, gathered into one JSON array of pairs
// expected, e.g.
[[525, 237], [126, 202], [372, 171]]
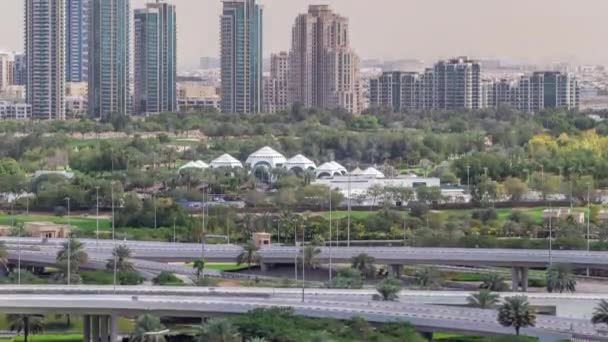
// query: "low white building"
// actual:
[[199, 164], [265, 157], [330, 169], [299, 163], [227, 161], [15, 110]]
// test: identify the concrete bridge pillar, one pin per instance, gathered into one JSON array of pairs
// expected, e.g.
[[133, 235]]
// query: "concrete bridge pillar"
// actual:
[[86, 327], [519, 279], [427, 336], [100, 328], [264, 267], [394, 271]]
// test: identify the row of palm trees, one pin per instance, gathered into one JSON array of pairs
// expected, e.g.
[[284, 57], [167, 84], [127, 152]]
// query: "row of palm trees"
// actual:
[[516, 311]]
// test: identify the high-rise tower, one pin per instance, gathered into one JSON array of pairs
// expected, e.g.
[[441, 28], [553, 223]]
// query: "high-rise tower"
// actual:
[[109, 57], [45, 58], [77, 40], [324, 70], [155, 59], [241, 56]]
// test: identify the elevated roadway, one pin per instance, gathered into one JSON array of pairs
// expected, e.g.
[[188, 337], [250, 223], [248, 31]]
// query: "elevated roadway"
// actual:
[[424, 317]]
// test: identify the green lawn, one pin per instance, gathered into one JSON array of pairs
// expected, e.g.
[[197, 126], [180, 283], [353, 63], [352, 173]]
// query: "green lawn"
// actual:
[[226, 267], [85, 223], [57, 324]]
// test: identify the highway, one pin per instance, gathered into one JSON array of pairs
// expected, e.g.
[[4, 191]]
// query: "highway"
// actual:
[[168, 252], [424, 317]]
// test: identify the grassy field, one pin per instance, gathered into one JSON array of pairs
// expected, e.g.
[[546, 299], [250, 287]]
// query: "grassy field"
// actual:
[[57, 324], [226, 267], [85, 223]]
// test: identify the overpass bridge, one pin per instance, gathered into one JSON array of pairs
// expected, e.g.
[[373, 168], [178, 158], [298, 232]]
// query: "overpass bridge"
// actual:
[[519, 260], [100, 312]]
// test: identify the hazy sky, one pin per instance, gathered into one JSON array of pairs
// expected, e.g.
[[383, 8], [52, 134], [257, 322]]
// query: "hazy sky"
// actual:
[[521, 30]]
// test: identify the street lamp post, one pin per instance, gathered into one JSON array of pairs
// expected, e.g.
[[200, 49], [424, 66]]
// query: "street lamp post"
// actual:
[[349, 212], [588, 219], [113, 236], [303, 268], [69, 246], [155, 216], [97, 216], [330, 236]]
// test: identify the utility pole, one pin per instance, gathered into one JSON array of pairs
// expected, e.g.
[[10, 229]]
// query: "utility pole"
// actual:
[[303, 268], [330, 236], [349, 212], [174, 236], [155, 216], [113, 236], [69, 245], [97, 217], [588, 220]]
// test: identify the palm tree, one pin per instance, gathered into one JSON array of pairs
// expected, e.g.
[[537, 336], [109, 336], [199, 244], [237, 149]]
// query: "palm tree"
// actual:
[[3, 256], [26, 324], [249, 255], [516, 312], [365, 264], [560, 278], [199, 268], [388, 290], [310, 257], [484, 299], [600, 314], [218, 330], [121, 253], [77, 255], [494, 282], [147, 329], [427, 277]]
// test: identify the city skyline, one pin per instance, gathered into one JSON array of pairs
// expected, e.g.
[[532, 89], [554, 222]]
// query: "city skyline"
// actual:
[[543, 33]]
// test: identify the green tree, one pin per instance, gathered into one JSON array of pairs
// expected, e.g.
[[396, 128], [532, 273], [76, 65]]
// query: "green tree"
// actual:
[[361, 328], [74, 250], [428, 277], [218, 330], [199, 267], [121, 255], [311, 253], [388, 289], [3, 256], [348, 278], [364, 264], [560, 279], [516, 312], [484, 299], [514, 188], [600, 313], [494, 282], [26, 324], [148, 329], [249, 255]]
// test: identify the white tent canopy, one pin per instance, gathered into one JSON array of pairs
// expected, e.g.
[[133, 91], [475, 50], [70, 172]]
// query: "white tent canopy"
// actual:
[[226, 160], [199, 164], [330, 169], [266, 156], [300, 162], [372, 172]]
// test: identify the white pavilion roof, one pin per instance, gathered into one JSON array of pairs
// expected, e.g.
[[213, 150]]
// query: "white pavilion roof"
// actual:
[[300, 161], [266, 155], [331, 168], [372, 171], [199, 164], [226, 160]]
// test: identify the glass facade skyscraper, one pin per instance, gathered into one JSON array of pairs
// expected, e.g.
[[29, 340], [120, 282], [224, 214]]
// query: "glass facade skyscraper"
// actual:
[[109, 57], [155, 59], [241, 56], [77, 40], [45, 58]]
